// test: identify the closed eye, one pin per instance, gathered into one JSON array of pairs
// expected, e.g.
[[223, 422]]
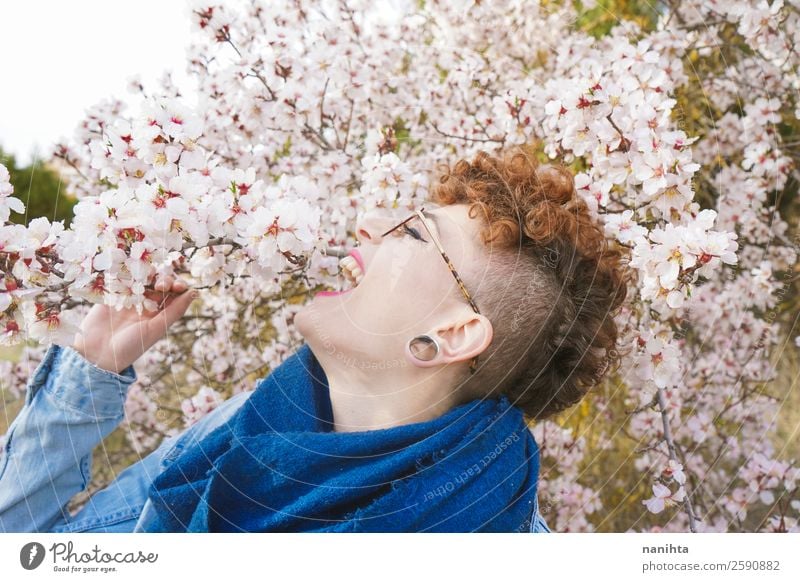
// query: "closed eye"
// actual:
[[413, 232]]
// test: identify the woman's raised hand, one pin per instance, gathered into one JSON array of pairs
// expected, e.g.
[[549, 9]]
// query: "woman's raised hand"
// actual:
[[113, 340]]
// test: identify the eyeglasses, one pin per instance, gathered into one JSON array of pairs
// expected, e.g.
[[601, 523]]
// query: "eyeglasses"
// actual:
[[418, 214]]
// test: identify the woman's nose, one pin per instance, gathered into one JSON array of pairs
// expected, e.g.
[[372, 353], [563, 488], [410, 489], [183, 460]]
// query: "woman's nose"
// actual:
[[372, 225]]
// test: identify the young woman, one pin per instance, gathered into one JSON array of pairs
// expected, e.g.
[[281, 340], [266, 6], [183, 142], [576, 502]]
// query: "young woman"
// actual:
[[407, 407]]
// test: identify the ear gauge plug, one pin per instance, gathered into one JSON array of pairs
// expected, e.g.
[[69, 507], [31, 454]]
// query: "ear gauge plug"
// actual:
[[420, 347]]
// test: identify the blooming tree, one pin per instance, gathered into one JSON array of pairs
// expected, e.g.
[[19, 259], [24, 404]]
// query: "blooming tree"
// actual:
[[307, 113]]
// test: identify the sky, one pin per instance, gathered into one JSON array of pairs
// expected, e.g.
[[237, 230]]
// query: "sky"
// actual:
[[58, 57]]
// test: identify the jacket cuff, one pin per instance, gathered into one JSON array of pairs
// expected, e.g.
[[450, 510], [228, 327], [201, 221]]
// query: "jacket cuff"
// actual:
[[81, 385]]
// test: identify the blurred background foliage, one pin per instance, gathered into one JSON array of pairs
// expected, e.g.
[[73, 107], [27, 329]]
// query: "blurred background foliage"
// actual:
[[41, 189]]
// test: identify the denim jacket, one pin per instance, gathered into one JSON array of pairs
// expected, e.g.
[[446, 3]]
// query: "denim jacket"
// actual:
[[71, 405]]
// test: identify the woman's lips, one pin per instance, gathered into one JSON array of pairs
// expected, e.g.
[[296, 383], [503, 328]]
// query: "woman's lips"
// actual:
[[328, 293], [357, 256]]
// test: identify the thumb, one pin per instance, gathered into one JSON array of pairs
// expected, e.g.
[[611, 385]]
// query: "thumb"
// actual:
[[173, 311], [178, 306]]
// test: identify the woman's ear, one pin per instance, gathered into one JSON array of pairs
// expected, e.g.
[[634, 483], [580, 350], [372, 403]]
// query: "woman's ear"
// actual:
[[463, 339]]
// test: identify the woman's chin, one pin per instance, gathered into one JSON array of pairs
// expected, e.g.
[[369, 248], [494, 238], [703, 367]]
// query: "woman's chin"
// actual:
[[314, 319]]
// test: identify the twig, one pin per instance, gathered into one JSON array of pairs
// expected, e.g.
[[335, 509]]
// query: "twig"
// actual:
[[687, 503], [464, 138]]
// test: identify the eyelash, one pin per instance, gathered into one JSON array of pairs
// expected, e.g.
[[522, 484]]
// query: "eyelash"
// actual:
[[413, 232]]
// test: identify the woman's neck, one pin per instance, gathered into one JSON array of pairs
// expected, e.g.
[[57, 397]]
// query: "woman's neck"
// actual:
[[367, 398]]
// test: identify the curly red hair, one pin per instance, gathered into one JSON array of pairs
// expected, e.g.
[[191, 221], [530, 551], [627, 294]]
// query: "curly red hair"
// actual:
[[553, 283]]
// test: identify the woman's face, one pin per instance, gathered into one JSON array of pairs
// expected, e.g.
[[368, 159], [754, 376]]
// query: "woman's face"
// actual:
[[406, 290]]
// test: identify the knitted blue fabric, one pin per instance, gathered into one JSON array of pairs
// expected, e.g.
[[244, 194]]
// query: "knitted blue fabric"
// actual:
[[277, 466]]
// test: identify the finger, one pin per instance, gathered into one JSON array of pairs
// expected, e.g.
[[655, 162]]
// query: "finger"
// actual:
[[179, 285], [157, 296], [164, 283]]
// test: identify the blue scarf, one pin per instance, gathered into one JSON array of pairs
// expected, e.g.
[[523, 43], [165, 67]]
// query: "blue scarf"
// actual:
[[277, 466]]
